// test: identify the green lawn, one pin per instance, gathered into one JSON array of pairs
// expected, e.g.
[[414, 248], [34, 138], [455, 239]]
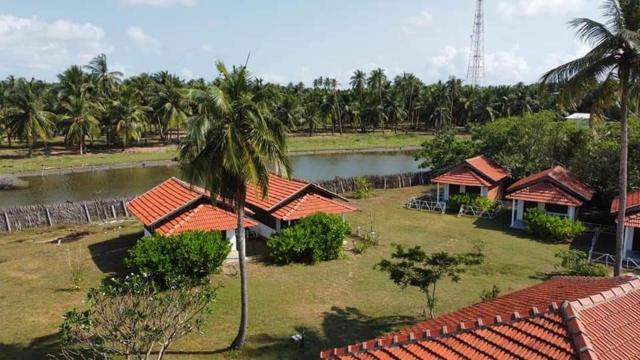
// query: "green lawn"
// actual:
[[334, 303], [58, 156]]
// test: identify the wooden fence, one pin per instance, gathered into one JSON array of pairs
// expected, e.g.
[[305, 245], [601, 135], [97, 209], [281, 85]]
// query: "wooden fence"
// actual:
[[82, 212]]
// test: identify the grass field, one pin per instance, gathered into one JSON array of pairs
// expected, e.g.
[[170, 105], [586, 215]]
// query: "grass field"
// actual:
[[58, 156], [334, 303]]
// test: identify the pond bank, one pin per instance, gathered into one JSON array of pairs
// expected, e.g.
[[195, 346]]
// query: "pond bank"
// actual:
[[169, 162]]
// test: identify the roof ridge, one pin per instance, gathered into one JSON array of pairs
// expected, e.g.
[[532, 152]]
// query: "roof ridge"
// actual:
[[186, 218], [607, 295], [301, 199], [426, 335], [335, 202]]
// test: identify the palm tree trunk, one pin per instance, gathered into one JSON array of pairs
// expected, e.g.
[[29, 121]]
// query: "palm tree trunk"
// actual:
[[622, 177], [240, 244]]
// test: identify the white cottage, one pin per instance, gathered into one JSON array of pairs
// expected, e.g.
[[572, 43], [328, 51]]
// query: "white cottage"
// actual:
[[554, 190]]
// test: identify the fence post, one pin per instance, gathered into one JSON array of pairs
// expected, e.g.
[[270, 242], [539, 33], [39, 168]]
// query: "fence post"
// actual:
[[86, 212], [48, 216], [124, 207], [113, 211], [6, 219]]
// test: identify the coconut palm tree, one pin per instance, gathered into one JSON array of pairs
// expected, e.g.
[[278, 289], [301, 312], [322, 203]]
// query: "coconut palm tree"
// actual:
[[129, 116], [26, 116], [377, 83], [614, 57], [80, 116], [171, 107], [105, 80], [230, 143], [358, 82]]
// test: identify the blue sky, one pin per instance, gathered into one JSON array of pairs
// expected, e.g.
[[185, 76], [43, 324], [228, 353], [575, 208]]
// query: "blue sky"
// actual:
[[289, 40]]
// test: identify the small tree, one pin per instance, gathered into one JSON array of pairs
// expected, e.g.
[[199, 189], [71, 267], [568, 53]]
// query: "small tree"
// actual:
[[361, 188], [576, 263], [414, 267], [132, 318]]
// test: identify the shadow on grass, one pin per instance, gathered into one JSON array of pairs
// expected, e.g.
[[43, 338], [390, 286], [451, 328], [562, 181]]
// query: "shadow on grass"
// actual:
[[109, 254], [39, 348], [340, 327]]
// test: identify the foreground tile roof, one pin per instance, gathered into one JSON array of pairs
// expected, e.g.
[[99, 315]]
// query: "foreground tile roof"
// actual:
[[204, 217], [480, 327], [559, 178], [162, 200], [633, 200], [309, 204], [476, 171]]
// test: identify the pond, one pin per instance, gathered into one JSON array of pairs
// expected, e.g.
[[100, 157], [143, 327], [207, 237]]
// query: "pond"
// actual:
[[129, 182]]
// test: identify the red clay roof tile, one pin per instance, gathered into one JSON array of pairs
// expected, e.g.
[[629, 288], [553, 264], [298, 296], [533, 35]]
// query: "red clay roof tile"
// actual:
[[560, 177], [556, 290], [488, 168], [633, 200], [161, 200], [476, 171], [309, 204], [280, 189], [204, 217], [545, 192]]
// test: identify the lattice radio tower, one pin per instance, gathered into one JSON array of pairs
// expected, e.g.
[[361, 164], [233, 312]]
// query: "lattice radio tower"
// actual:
[[475, 69]]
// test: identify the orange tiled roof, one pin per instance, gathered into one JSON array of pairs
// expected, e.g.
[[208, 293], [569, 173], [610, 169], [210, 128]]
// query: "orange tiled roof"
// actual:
[[309, 204], [561, 178], [605, 325], [632, 220], [476, 171], [280, 189], [163, 199], [633, 200], [545, 192], [488, 168], [204, 217], [556, 290]]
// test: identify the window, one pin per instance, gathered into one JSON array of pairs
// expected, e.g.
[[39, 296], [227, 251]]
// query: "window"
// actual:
[[454, 189], [473, 190], [530, 204], [555, 208]]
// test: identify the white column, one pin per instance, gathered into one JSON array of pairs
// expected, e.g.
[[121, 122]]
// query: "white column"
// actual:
[[520, 210], [571, 212], [437, 192], [628, 239], [446, 192], [513, 212], [484, 191], [277, 224]]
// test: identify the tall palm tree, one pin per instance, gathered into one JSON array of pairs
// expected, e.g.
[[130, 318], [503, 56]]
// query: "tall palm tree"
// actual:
[[79, 113], [377, 83], [105, 80], [614, 57], [129, 116], [171, 107], [26, 116], [358, 82], [229, 144]]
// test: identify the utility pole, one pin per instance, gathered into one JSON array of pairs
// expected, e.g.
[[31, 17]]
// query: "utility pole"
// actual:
[[475, 69]]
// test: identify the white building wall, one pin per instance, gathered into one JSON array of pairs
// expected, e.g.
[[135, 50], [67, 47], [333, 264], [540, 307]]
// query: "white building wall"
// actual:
[[445, 195], [231, 236], [628, 238], [520, 210], [263, 230]]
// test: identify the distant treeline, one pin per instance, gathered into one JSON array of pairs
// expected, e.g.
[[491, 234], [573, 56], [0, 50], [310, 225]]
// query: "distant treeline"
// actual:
[[92, 102]]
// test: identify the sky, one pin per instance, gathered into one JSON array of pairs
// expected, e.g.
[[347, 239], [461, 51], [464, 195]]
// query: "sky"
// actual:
[[290, 40]]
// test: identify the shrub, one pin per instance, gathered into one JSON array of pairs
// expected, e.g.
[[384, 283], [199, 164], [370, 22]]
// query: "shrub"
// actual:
[[189, 256], [490, 294], [361, 187], [552, 226], [457, 200], [576, 263], [316, 238]]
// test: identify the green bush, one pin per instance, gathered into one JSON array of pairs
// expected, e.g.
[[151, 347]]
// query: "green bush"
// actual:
[[552, 226], [475, 200], [575, 263], [316, 238], [361, 188], [187, 257]]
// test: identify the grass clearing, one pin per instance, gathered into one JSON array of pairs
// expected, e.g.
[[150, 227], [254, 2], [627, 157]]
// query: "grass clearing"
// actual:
[[333, 303], [58, 156]]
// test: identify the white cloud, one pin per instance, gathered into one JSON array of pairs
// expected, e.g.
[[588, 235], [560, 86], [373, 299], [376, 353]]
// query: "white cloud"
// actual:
[[208, 48], [420, 21], [273, 78], [506, 66], [31, 43], [142, 40], [159, 3], [187, 73], [514, 8]]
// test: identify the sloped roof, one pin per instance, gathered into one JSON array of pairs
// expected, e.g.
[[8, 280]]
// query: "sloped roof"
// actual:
[[309, 204], [559, 177], [204, 217], [606, 325], [633, 200], [545, 192], [488, 168], [476, 171], [555, 290], [162, 200], [280, 189]]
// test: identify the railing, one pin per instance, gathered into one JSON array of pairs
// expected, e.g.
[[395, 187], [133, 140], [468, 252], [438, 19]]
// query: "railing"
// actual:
[[481, 212], [608, 259], [426, 205]]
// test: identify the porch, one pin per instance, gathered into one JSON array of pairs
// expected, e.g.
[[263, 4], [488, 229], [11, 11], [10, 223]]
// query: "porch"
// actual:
[[520, 206]]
